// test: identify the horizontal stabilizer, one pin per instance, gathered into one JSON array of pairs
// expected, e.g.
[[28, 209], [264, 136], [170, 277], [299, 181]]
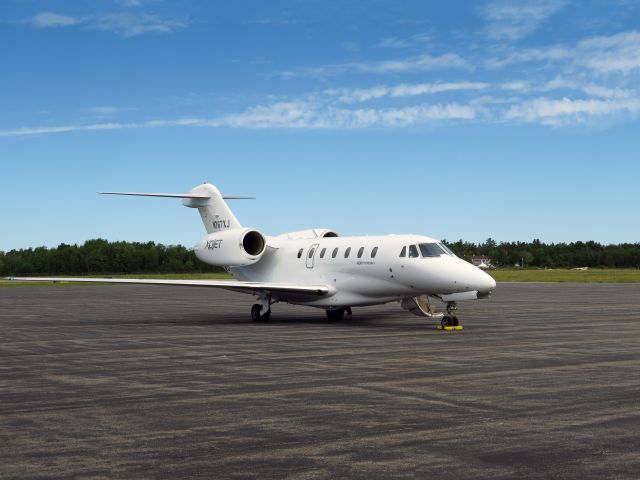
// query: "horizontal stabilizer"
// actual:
[[169, 195], [176, 195]]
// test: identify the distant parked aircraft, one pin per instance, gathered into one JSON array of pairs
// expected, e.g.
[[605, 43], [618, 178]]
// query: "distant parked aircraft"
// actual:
[[320, 269]]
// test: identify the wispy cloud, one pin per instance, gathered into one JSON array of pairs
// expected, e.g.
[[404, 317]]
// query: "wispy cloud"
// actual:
[[314, 116], [619, 53], [592, 79], [405, 42], [516, 86], [130, 3], [349, 95], [606, 92], [554, 53], [393, 42], [50, 19], [509, 20], [559, 83], [29, 131], [611, 54], [126, 24], [289, 115], [131, 25], [566, 111], [107, 111], [419, 63]]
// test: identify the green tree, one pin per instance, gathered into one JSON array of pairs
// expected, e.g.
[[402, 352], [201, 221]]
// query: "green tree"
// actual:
[[527, 258]]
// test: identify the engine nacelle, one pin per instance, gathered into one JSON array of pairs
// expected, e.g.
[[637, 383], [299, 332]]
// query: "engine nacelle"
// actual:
[[236, 247], [313, 233]]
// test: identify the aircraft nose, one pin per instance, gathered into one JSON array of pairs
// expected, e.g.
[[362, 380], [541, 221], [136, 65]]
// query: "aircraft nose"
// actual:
[[486, 284]]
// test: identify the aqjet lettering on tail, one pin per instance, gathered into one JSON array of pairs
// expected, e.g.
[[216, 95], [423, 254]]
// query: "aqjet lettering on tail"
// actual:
[[320, 269]]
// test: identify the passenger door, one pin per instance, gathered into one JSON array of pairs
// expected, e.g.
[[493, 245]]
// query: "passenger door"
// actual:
[[311, 255]]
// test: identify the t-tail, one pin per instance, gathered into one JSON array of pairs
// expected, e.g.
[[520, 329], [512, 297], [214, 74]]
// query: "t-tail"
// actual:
[[214, 211]]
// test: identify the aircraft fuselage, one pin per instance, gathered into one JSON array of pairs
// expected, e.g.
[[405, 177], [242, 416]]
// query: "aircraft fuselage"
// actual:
[[364, 270]]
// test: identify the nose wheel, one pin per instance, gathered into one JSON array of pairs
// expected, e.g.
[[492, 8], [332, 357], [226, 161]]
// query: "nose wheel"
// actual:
[[450, 319]]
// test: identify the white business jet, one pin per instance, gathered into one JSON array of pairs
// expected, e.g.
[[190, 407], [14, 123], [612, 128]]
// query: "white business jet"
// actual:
[[320, 269]]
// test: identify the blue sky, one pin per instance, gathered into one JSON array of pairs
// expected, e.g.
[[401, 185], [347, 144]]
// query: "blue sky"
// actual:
[[511, 120]]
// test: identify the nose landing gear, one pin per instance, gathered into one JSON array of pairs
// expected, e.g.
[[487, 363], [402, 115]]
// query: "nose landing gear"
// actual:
[[450, 321]]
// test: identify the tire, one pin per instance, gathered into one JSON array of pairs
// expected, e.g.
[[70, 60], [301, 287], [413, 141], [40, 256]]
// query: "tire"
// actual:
[[255, 312], [446, 321], [335, 314], [455, 321]]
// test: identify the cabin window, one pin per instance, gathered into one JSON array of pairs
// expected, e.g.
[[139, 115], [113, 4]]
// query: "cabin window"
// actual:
[[413, 251], [431, 250], [347, 252], [300, 253], [322, 252], [403, 252], [374, 252], [335, 252], [360, 252], [311, 252]]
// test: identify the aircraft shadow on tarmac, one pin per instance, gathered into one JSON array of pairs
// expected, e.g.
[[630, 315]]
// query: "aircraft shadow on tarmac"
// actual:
[[368, 319]]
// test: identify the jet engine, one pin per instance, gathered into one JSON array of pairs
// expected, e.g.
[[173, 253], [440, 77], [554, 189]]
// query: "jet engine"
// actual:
[[313, 233], [236, 247]]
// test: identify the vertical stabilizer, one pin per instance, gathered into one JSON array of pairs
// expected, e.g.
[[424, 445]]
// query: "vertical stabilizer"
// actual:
[[214, 211]]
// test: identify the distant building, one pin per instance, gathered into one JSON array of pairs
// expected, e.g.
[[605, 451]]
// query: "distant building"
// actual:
[[481, 261]]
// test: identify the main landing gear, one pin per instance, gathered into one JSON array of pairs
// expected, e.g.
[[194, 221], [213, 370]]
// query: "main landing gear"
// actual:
[[450, 320], [261, 312], [338, 313], [255, 313]]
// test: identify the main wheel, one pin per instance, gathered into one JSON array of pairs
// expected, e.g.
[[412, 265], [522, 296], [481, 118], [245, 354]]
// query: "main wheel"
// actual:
[[335, 314], [447, 321], [455, 321], [255, 312]]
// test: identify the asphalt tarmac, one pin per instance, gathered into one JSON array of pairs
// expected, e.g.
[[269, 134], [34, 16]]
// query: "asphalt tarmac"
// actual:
[[170, 382]]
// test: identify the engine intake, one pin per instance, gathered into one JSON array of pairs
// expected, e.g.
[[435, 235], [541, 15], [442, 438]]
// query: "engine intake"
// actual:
[[236, 247], [253, 242]]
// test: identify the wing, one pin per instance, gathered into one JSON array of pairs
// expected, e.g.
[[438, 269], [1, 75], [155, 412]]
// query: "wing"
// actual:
[[246, 287]]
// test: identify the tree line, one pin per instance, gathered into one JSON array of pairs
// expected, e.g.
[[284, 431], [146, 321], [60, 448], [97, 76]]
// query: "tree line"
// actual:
[[552, 255], [99, 257]]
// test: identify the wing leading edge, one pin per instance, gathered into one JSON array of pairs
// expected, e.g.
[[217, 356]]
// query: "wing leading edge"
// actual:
[[247, 287]]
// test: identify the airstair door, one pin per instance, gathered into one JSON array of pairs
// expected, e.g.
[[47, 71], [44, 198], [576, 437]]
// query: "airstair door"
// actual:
[[311, 255]]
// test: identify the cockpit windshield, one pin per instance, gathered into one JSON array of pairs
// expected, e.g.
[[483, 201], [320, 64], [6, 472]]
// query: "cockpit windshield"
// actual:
[[431, 250], [446, 249]]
